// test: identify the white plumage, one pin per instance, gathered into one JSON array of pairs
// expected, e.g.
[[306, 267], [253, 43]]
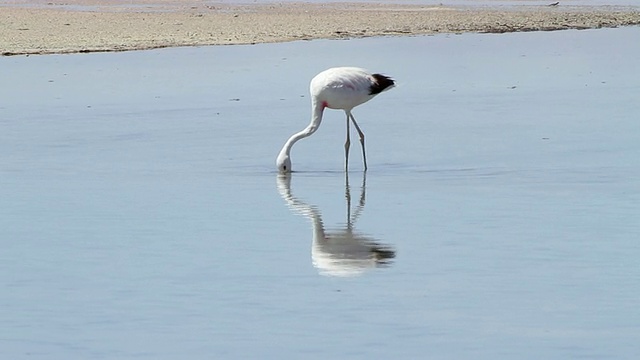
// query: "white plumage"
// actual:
[[337, 88]]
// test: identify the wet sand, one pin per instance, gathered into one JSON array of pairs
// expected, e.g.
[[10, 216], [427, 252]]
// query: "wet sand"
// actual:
[[73, 26]]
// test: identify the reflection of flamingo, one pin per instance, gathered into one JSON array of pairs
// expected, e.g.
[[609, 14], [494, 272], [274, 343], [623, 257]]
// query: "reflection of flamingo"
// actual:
[[337, 88], [341, 252]]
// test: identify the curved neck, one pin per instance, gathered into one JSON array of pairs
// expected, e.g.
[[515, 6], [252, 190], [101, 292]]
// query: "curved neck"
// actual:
[[316, 118]]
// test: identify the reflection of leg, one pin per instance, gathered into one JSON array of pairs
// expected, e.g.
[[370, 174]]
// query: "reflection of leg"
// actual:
[[363, 189], [347, 195], [346, 146], [361, 134], [360, 207]]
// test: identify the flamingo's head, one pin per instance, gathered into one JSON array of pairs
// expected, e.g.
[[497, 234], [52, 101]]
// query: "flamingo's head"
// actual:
[[283, 162]]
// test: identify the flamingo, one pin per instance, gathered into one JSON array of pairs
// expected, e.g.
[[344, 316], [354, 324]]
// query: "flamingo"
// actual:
[[337, 88]]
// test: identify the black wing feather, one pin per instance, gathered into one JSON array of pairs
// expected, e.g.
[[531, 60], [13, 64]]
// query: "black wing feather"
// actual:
[[380, 84]]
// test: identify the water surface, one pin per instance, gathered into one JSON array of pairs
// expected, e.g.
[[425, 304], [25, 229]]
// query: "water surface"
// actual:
[[141, 215]]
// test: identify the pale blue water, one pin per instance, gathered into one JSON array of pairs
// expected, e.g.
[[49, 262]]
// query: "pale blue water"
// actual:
[[141, 215]]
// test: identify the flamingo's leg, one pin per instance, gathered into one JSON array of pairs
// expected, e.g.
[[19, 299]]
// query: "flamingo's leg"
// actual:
[[361, 134], [347, 144]]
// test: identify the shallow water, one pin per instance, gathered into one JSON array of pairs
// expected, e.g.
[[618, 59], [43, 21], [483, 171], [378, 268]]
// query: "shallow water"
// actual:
[[141, 215]]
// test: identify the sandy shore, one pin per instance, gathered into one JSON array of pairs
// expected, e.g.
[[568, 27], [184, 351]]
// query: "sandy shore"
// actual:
[[87, 26]]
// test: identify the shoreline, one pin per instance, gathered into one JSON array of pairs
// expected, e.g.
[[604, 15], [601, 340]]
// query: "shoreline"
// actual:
[[81, 26]]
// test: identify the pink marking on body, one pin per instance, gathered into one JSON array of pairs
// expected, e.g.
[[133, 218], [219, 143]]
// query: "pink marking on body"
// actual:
[[325, 104]]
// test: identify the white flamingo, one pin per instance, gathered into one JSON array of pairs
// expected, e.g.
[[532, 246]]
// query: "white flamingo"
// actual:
[[337, 88]]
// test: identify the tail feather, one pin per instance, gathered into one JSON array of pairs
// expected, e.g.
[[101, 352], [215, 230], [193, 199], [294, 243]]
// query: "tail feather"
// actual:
[[380, 84]]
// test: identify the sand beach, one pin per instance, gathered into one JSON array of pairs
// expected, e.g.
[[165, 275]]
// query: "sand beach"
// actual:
[[72, 26]]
